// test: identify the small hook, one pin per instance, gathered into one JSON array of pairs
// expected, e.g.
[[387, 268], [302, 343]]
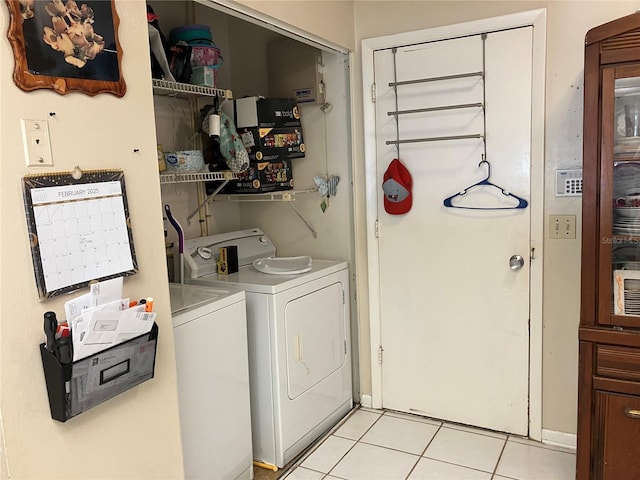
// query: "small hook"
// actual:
[[136, 150], [488, 167]]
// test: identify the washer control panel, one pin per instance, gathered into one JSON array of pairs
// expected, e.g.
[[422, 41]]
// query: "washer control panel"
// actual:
[[201, 254]]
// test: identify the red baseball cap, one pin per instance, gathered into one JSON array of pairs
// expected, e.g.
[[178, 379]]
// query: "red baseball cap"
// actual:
[[397, 185]]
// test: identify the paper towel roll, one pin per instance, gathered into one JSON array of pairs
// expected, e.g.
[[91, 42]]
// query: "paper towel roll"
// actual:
[[214, 125]]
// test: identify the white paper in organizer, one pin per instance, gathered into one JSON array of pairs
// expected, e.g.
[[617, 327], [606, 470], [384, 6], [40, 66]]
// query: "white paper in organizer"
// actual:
[[102, 329], [100, 293], [106, 292], [79, 326]]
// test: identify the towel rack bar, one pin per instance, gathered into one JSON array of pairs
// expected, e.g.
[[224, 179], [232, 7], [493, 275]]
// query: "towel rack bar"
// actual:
[[433, 139], [437, 109], [436, 79]]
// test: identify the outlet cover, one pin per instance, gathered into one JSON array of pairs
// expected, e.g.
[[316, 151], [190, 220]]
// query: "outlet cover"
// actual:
[[37, 147], [562, 226]]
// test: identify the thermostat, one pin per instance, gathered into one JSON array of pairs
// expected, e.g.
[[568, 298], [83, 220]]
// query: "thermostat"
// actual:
[[569, 183]]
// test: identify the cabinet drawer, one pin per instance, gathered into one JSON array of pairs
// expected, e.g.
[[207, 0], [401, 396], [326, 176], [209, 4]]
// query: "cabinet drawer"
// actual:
[[617, 449], [618, 362]]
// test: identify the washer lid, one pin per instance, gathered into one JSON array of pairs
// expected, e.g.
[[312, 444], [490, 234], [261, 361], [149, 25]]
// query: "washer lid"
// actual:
[[283, 265], [190, 297]]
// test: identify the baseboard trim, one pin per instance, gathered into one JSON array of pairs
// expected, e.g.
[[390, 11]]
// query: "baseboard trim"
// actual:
[[366, 401], [559, 439]]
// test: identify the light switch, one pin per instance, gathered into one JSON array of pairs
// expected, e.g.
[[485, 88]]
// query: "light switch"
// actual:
[[562, 226], [37, 147]]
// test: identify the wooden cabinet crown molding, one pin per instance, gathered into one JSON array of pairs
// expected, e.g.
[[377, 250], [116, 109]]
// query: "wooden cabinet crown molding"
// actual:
[[613, 29]]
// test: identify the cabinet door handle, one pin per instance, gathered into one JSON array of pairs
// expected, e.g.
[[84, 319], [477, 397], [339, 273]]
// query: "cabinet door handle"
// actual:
[[632, 412]]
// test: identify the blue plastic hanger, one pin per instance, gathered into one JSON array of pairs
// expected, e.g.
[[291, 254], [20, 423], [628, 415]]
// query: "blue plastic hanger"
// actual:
[[522, 203]]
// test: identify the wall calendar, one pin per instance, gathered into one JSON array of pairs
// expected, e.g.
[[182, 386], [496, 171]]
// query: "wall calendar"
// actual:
[[79, 229]]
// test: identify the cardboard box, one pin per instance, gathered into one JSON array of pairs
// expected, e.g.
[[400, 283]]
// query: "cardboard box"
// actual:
[[262, 177], [271, 144], [270, 128], [260, 112]]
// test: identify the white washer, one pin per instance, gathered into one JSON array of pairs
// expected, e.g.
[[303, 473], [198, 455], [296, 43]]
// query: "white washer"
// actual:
[[299, 345], [210, 335]]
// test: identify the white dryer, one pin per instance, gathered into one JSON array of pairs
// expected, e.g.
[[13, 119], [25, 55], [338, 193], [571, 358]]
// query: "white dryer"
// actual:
[[299, 340], [210, 335]]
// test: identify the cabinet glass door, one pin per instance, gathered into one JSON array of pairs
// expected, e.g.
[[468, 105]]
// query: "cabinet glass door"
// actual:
[[620, 198]]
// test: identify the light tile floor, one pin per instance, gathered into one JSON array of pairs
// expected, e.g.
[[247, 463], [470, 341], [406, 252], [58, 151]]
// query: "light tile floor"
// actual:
[[385, 445]]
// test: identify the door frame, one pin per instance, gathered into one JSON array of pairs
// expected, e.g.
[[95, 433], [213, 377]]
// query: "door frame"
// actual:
[[537, 19]]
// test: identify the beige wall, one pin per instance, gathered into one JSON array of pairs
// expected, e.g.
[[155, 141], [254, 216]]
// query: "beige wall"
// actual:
[[135, 435], [330, 20], [567, 23]]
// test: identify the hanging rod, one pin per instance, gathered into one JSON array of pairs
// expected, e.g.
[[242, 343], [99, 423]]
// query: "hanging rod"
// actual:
[[437, 109], [437, 79], [433, 139]]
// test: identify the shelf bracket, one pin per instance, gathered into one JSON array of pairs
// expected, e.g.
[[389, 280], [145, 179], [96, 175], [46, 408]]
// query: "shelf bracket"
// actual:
[[207, 200], [307, 223]]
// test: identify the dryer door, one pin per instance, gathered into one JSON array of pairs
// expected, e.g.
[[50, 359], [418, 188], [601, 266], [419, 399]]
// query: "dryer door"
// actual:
[[315, 331]]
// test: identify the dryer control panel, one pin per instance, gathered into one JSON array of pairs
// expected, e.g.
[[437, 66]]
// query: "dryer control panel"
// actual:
[[202, 254]]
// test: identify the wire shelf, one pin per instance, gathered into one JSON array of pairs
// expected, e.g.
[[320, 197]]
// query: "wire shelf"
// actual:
[[282, 196], [197, 177], [165, 87]]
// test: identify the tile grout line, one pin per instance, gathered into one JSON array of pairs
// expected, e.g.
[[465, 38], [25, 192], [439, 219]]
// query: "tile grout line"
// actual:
[[495, 468], [332, 433], [439, 424], [413, 468], [423, 451], [431, 441], [354, 444], [317, 444]]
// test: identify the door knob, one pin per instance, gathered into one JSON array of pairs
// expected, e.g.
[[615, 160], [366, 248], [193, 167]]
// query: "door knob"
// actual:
[[516, 262]]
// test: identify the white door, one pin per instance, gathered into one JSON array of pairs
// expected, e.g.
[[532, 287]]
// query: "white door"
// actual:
[[454, 315]]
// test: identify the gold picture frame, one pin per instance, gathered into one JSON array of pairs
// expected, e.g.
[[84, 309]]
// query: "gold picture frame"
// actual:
[[66, 46]]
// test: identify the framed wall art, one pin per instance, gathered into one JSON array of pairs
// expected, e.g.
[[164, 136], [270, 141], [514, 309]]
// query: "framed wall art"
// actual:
[[66, 46]]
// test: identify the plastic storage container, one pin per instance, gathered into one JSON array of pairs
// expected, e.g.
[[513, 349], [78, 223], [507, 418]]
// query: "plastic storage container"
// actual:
[[191, 34], [184, 161]]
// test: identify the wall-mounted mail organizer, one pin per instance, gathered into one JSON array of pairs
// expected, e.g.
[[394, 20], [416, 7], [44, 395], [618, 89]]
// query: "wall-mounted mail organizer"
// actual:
[[76, 387]]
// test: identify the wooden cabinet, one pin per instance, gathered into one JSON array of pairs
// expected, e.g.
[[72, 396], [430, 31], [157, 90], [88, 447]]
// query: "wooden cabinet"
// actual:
[[609, 369]]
